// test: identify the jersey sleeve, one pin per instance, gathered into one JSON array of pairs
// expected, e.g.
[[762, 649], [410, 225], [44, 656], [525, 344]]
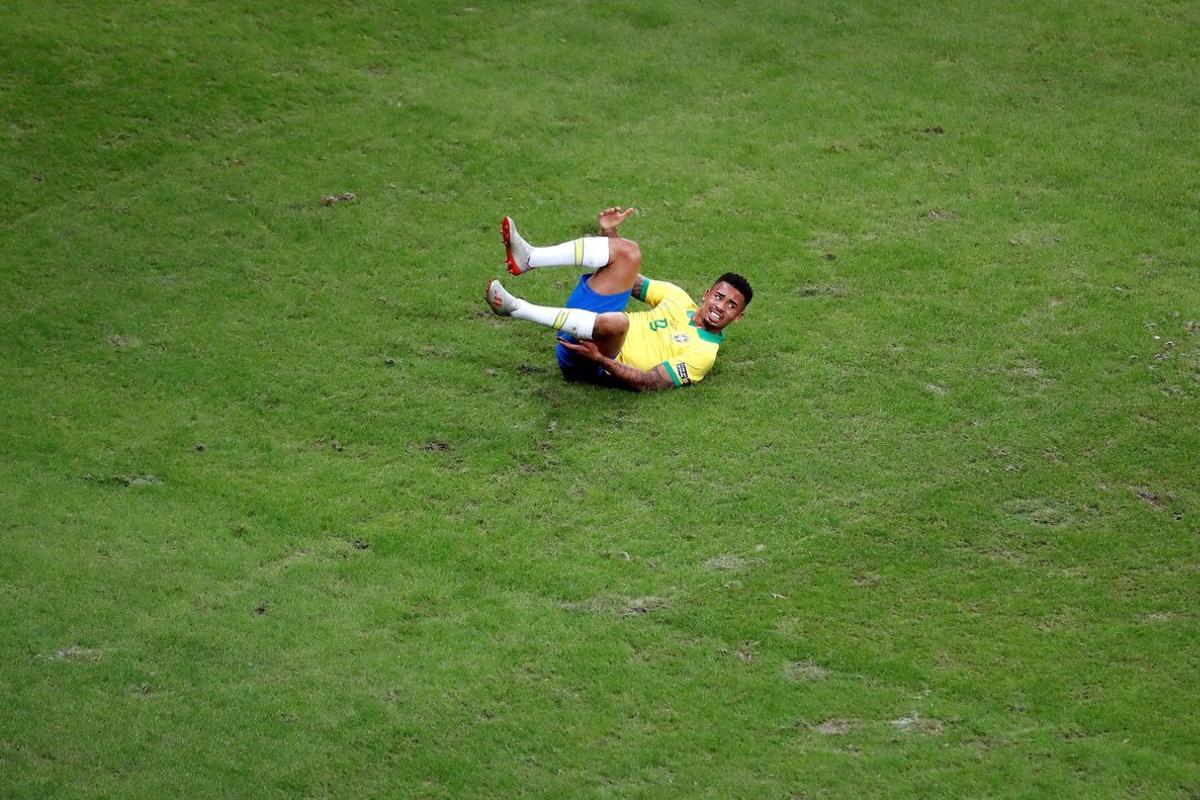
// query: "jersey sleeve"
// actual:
[[654, 292], [690, 366]]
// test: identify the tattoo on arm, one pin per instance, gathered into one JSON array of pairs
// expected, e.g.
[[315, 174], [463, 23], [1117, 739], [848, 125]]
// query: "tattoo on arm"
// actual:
[[638, 379]]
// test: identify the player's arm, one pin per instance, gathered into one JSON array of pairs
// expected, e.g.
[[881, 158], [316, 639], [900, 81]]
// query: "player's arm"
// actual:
[[631, 377], [640, 284], [653, 292]]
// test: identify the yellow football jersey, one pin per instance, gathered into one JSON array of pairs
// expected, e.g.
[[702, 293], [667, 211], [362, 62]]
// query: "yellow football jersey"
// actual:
[[666, 335]]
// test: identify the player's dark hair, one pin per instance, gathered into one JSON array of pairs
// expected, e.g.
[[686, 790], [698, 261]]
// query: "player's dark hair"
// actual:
[[739, 283]]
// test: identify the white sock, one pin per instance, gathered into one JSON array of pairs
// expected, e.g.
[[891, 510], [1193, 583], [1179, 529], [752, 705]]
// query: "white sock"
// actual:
[[575, 321], [591, 252]]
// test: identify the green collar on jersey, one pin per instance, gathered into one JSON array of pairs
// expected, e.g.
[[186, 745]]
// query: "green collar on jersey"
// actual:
[[708, 336]]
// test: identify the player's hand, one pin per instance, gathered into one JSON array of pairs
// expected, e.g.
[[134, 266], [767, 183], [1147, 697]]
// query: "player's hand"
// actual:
[[611, 218], [584, 347]]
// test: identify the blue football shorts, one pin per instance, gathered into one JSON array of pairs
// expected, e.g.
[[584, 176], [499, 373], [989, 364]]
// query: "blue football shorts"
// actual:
[[573, 366]]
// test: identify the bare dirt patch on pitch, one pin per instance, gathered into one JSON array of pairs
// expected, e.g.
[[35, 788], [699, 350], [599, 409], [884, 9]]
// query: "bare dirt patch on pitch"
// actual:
[[834, 727], [730, 563], [333, 199], [76, 653], [1038, 511], [619, 606], [122, 341], [823, 290], [915, 723], [1146, 494], [125, 480], [804, 671]]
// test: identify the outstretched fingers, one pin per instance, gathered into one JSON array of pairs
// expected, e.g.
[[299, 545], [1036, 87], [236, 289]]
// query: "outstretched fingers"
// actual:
[[613, 216], [585, 348]]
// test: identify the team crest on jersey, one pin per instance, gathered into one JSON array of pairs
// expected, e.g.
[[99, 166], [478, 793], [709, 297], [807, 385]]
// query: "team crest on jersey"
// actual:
[[682, 338]]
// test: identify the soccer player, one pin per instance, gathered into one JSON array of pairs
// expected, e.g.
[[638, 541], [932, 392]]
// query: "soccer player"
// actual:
[[674, 343]]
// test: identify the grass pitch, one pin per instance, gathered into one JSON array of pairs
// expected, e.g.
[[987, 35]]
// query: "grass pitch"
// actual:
[[286, 512]]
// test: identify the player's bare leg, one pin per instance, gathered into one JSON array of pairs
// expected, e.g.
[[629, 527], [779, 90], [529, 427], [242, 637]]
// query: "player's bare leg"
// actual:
[[609, 332], [619, 274]]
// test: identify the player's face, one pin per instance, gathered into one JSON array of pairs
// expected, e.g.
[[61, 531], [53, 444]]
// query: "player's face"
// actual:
[[721, 305]]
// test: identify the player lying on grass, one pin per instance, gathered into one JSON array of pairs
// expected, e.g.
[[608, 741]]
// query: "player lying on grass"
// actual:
[[672, 344]]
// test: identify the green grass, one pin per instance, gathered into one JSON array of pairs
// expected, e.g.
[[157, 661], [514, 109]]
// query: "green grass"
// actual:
[[930, 528]]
